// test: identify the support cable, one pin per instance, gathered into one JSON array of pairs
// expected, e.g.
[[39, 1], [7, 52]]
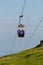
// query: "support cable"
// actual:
[[23, 7], [21, 16], [33, 33], [13, 43]]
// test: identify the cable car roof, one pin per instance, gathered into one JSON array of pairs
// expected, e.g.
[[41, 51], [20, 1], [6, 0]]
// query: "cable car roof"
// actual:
[[21, 25]]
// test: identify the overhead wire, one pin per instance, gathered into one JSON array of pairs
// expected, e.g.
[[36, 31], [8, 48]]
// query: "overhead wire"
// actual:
[[22, 11], [23, 7], [33, 33], [14, 39]]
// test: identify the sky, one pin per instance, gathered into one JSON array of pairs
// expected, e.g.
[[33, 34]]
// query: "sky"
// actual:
[[10, 10]]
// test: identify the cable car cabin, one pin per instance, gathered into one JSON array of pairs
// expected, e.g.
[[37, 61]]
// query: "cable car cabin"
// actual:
[[21, 31]]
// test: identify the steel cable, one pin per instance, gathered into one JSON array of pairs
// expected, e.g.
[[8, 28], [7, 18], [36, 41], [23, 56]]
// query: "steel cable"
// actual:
[[33, 33]]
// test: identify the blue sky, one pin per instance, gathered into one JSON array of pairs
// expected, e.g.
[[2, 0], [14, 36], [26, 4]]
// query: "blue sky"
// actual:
[[9, 19]]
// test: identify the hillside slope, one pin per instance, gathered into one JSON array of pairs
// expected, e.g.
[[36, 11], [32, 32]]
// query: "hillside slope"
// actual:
[[29, 57]]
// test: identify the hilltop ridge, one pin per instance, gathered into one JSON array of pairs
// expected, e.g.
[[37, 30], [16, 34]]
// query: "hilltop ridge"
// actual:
[[32, 56]]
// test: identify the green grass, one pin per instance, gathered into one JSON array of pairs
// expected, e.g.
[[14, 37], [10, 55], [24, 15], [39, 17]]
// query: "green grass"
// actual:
[[29, 57]]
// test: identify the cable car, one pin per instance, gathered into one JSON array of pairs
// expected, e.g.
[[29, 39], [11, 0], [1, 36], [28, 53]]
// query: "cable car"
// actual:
[[21, 31]]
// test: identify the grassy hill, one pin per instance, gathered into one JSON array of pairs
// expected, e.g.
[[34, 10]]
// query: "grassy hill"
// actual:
[[29, 57]]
